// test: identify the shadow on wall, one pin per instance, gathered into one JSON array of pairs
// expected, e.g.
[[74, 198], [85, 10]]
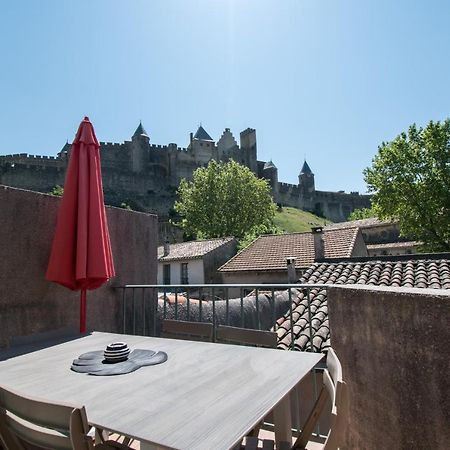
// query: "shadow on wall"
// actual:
[[31, 305]]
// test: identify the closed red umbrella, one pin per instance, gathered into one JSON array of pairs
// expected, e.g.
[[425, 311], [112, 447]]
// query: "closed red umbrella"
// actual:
[[81, 255]]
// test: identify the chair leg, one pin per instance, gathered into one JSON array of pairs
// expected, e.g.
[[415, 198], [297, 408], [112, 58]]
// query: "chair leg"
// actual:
[[268, 444], [251, 443]]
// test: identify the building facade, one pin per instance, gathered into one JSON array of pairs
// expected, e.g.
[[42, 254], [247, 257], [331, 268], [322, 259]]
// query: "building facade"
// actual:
[[145, 176], [194, 262]]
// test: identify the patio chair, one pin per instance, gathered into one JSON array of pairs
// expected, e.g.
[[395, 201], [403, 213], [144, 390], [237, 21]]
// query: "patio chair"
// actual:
[[29, 424], [333, 388], [244, 336], [191, 331]]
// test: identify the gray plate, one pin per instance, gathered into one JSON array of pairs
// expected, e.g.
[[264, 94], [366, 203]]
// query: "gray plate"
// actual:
[[93, 363]]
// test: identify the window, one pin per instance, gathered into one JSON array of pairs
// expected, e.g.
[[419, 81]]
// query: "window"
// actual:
[[184, 273], [166, 274]]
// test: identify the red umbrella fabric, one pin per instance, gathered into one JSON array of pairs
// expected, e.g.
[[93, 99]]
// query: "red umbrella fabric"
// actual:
[[81, 256]]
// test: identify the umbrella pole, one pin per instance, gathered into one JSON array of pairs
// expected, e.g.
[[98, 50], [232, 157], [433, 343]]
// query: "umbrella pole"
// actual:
[[83, 311]]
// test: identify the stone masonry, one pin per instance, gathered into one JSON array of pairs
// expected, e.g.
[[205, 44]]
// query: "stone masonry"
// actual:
[[145, 176]]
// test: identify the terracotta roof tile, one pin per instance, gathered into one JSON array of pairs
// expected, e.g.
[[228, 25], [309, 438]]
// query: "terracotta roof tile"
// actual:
[[192, 249], [361, 223], [269, 252], [407, 244], [434, 274]]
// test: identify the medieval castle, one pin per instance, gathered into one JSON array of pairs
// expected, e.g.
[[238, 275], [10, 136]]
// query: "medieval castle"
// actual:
[[145, 176]]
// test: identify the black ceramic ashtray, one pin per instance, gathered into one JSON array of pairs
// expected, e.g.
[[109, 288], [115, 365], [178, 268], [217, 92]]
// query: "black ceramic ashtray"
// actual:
[[116, 352]]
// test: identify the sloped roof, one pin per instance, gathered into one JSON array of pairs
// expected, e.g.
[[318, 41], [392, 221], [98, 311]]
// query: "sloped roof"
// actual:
[[269, 252], [191, 250], [361, 223], [433, 274], [306, 169], [202, 135], [140, 131], [407, 244], [269, 165]]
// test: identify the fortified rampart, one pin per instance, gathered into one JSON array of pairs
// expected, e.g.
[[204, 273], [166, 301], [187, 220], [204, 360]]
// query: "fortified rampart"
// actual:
[[145, 176]]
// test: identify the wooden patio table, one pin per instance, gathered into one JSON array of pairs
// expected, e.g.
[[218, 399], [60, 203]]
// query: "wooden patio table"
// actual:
[[206, 396]]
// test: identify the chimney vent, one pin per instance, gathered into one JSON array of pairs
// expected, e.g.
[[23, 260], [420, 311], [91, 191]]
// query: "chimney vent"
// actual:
[[166, 248], [319, 246], [292, 275]]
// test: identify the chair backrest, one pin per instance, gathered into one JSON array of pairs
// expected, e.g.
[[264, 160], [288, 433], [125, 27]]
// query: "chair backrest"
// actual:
[[234, 335], [192, 331], [42, 424], [335, 389]]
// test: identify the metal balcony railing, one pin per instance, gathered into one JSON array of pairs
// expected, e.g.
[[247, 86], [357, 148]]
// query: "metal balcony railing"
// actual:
[[257, 306]]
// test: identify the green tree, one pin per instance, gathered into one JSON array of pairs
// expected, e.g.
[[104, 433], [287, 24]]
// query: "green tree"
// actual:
[[224, 199], [57, 190], [362, 213], [410, 180]]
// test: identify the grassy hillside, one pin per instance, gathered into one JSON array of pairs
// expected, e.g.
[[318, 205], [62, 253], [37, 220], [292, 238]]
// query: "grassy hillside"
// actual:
[[293, 220]]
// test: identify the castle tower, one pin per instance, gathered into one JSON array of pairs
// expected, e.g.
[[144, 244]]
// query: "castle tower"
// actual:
[[202, 146], [64, 153], [270, 172], [248, 149], [227, 146], [306, 180], [139, 148]]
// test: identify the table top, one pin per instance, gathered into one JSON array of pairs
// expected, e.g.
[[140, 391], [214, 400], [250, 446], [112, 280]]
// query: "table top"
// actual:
[[206, 396]]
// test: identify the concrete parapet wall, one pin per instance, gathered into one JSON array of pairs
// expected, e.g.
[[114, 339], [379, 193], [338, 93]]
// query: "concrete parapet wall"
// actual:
[[29, 304], [393, 344]]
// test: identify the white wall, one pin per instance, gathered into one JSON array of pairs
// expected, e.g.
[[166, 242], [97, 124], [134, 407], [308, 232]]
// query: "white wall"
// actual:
[[195, 271]]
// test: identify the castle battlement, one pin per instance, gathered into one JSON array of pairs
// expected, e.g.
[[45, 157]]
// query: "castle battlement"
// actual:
[[287, 185], [146, 175]]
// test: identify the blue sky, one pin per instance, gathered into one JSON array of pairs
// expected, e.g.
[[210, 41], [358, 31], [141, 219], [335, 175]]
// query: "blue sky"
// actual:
[[329, 80]]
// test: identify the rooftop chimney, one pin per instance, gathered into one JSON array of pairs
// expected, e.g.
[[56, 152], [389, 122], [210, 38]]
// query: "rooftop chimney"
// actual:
[[292, 275], [166, 248], [319, 247]]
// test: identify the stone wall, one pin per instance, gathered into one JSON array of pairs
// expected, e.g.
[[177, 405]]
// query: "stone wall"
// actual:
[[29, 304], [145, 176], [393, 344]]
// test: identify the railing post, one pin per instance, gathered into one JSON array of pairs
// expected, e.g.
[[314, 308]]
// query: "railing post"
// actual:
[[272, 310], [291, 319], [258, 321], [176, 303], [200, 305], [165, 303], [310, 320], [143, 311], [242, 308], [134, 311], [188, 304], [227, 300], [213, 313], [155, 304], [124, 311]]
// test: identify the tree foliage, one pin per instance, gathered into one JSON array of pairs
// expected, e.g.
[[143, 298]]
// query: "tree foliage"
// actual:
[[362, 213], [410, 179], [57, 191], [224, 199]]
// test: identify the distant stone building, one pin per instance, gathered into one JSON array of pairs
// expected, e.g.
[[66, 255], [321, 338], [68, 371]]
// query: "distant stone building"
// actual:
[[265, 260], [382, 238], [145, 176], [194, 262]]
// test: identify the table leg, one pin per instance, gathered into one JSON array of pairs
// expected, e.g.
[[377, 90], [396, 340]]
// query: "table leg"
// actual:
[[282, 421]]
